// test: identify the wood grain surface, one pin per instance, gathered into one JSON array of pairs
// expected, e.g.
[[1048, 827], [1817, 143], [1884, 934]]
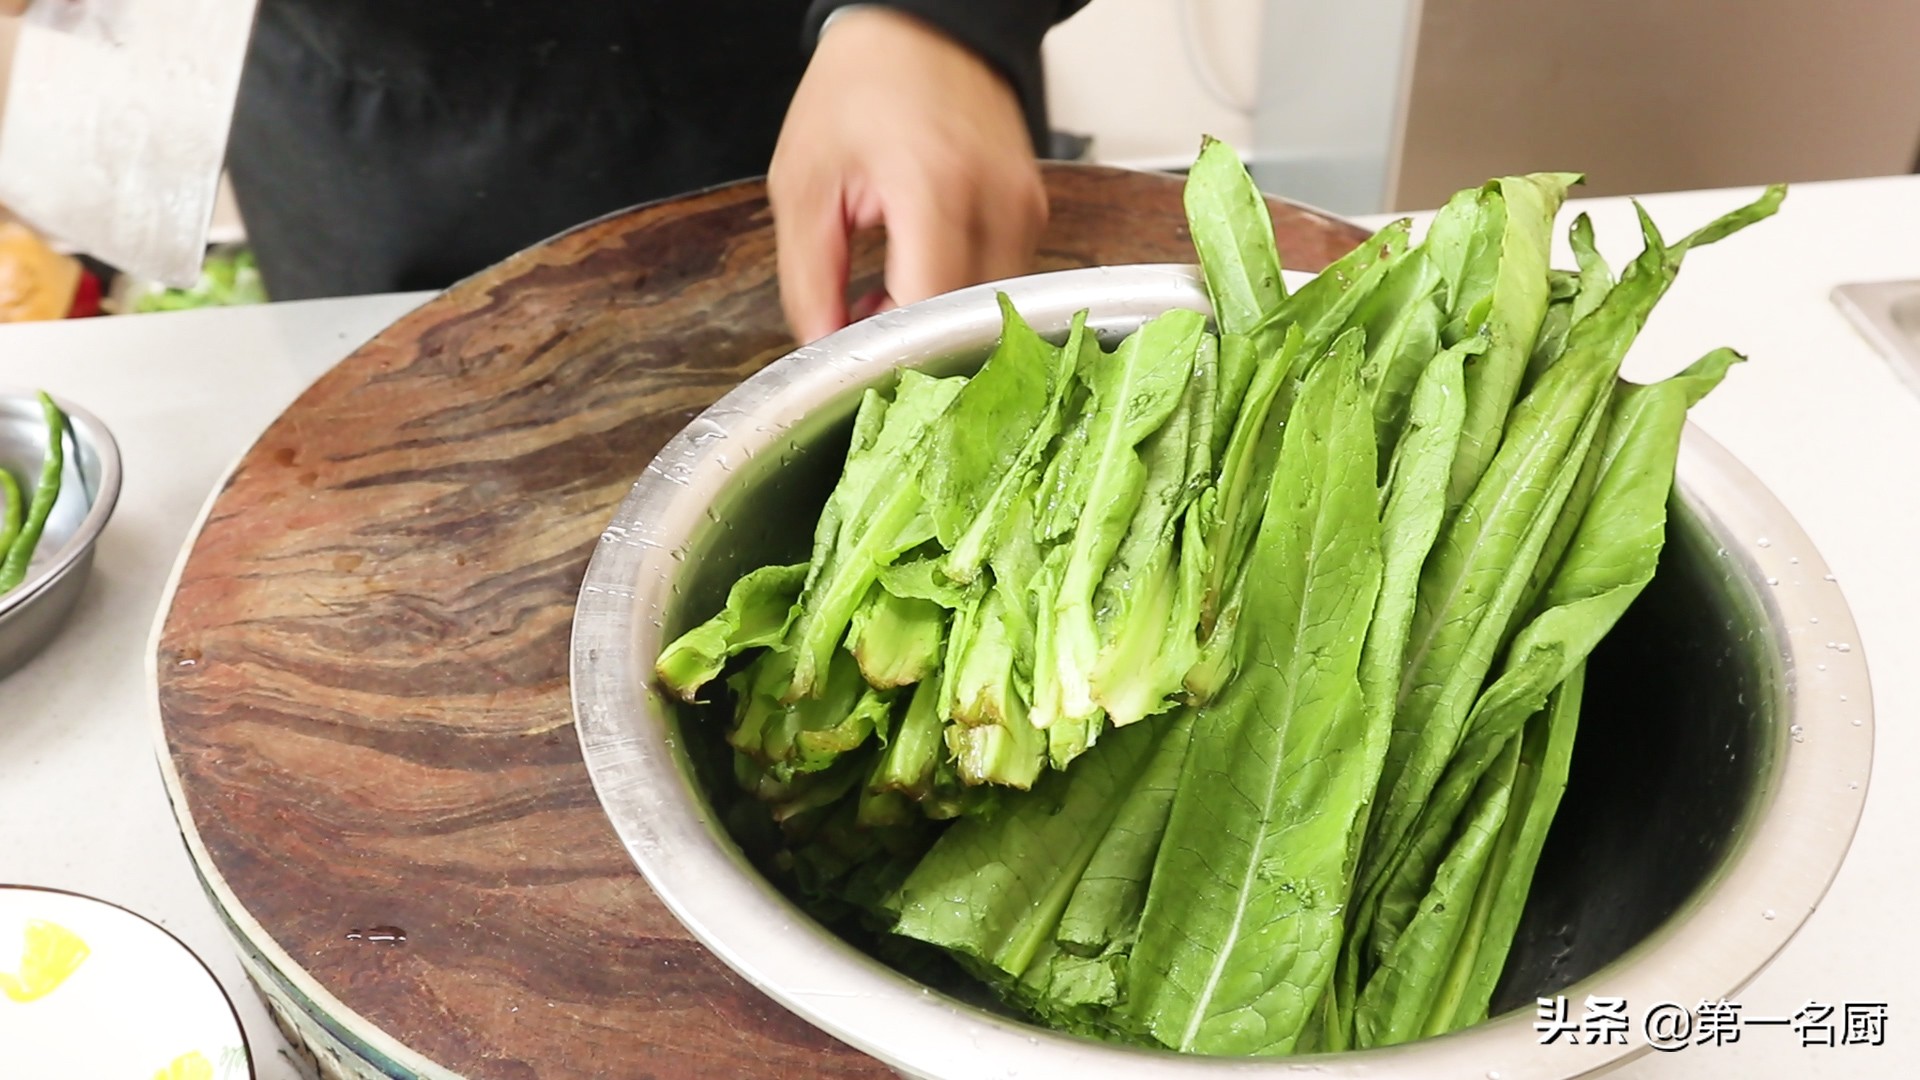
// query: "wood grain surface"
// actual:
[[363, 671]]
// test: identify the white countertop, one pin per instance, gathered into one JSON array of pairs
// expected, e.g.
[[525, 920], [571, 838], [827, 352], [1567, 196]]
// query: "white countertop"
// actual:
[[1816, 414]]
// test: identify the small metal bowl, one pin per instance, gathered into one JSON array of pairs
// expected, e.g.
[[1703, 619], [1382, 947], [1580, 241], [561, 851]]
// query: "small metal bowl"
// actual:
[[33, 611], [1719, 773]]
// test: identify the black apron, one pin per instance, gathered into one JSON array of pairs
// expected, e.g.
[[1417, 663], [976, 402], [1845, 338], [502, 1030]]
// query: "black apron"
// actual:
[[388, 145]]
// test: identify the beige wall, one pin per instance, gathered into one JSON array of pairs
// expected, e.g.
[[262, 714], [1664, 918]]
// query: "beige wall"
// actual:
[[1118, 71], [9, 30], [1652, 95]]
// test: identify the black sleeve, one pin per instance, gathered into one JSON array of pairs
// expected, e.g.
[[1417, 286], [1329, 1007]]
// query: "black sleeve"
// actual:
[[1006, 33]]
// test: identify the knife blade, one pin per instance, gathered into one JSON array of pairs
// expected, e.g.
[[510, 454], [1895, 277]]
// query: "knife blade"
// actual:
[[116, 126]]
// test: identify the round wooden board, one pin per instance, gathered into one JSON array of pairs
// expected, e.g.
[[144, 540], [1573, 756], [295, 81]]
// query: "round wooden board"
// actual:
[[362, 673]]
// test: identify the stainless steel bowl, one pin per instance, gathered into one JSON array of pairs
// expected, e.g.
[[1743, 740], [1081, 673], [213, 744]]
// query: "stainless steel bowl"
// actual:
[[1720, 772], [33, 611]]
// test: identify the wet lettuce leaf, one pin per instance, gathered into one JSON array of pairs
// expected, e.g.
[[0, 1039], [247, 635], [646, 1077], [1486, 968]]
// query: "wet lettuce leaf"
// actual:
[[985, 449], [1233, 238], [879, 513], [1132, 394], [1243, 915], [993, 888], [1144, 616], [759, 608], [1509, 313], [1545, 756]]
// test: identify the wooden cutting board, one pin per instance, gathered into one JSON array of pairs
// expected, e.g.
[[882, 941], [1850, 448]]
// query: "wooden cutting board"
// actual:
[[362, 671]]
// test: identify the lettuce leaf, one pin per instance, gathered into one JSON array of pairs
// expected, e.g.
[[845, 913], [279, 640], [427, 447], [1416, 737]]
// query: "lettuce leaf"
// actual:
[[1243, 915]]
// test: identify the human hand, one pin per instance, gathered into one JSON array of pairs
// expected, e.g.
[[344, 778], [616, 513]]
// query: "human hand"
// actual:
[[896, 124], [14, 7]]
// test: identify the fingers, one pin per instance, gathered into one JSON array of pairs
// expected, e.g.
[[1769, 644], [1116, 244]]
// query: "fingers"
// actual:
[[1011, 226], [932, 240], [810, 235], [942, 237], [896, 124], [944, 232]]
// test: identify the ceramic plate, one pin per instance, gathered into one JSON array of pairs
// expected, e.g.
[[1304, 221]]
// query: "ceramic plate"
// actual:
[[88, 989]]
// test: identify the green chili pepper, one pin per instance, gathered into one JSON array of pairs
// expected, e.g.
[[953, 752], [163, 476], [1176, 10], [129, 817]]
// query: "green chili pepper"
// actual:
[[14, 568], [9, 510]]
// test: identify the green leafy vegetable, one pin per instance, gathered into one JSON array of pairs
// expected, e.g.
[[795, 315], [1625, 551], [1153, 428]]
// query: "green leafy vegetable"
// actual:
[[1132, 395], [758, 610], [1312, 318], [1104, 910], [907, 765], [229, 277], [1018, 395], [1515, 304], [1596, 279], [1397, 1001], [993, 889], [1546, 752], [1145, 610], [896, 640], [878, 514], [1233, 237], [1242, 917], [1218, 692]]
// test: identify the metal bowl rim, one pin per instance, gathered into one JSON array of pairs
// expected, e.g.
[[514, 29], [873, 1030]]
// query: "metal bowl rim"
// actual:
[[1724, 936], [87, 429]]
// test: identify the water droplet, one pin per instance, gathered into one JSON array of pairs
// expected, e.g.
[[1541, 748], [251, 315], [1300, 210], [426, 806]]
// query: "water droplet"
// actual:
[[1493, 1074], [1764, 542], [1844, 647], [379, 935], [1827, 577], [1820, 667], [1798, 732], [1773, 581], [1767, 914], [1857, 721], [1833, 644], [1853, 785], [1793, 560], [1813, 618], [1843, 697], [678, 555]]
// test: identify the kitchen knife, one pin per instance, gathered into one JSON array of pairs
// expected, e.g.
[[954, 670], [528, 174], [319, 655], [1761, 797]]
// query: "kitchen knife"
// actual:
[[116, 126]]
